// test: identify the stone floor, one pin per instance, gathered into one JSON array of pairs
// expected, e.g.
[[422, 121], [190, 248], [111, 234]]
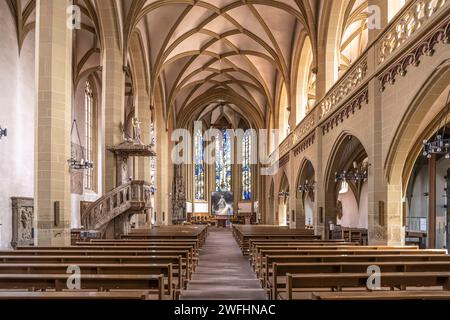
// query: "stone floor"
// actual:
[[223, 273]]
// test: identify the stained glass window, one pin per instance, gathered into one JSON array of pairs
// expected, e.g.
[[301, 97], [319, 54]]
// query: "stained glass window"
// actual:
[[199, 165], [90, 127], [246, 166], [223, 162]]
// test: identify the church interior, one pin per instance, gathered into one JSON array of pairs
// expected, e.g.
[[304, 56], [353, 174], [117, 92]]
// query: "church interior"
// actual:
[[225, 149]]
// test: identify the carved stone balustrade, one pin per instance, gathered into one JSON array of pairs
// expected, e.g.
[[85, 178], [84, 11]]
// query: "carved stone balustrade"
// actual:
[[130, 198], [413, 18]]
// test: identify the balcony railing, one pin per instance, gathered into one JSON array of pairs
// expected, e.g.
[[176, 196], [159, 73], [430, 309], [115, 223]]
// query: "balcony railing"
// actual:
[[411, 19]]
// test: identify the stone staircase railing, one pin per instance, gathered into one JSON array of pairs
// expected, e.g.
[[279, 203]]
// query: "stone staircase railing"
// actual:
[[129, 198]]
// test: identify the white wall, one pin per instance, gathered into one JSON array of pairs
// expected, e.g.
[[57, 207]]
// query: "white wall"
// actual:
[[17, 114], [309, 211], [354, 216]]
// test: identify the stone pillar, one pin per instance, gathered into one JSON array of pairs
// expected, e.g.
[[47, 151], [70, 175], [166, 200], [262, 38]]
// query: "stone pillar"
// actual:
[[163, 161], [432, 202], [143, 114], [53, 123], [384, 211], [113, 97], [319, 210]]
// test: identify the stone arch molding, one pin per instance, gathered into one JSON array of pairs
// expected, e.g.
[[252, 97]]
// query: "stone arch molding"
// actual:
[[422, 115]]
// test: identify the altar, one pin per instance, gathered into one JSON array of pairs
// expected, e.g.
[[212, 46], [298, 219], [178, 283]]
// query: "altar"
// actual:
[[222, 221]]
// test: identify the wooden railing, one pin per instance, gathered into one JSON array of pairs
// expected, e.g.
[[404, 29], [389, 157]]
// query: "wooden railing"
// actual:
[[128, 198], [410, 25]]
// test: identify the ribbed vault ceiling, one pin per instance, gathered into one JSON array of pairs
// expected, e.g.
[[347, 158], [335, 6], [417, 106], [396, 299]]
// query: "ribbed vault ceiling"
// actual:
[[243, 47]]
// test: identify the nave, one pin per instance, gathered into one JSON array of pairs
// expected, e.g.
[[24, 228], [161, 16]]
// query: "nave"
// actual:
[[224, 149]]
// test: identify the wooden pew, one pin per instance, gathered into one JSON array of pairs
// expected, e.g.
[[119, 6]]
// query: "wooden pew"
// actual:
[[371, 259], [179, 263], [103, 282], [193, 255], [243, 234], [381, 295], [277, 282], [197, 232], [261, 250], [131, 243], [338, 281], [75, 295], [94, 268], [185, 253], [260, 262], [253, 243]]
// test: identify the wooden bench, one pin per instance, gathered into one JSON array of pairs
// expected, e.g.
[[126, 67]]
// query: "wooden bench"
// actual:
[[170, 232], [104, 282], [243, 234], [76, 295], [95, 268], [186, 254], [277, 281], [338, 281], [132, 243], [380, 295], [261, 250], [369, 259], [260, 262], [180, 268]]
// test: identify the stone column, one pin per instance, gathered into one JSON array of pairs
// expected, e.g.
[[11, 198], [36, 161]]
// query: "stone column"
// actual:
[[163, 162], [432, 202], [113, 97], [53, 123], [379, 227], [143, 114], [319, 210]]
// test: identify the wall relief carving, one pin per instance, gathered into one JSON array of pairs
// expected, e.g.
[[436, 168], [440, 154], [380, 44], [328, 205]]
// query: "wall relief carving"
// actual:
[[22, 221]]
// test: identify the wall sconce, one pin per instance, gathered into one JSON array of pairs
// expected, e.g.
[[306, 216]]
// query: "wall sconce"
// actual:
[[3, 133]]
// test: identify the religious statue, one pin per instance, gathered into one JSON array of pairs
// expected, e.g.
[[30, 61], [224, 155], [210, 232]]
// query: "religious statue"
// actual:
[[137, 131]]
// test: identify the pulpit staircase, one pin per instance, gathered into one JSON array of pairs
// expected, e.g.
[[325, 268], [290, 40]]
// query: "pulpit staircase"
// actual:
[[110, 214]]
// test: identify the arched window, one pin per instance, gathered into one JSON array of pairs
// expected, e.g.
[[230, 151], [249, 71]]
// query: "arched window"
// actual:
[[223, 162], [90, 129], [283, 123], [394, 6], [246, 166], [199, 165], [306, 82], [354, 38]]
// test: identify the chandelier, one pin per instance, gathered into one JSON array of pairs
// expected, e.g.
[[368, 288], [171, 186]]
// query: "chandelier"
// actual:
[[81, 164], [355, 175], [3, 133], [283, 194], [440, 145], [306, 187]]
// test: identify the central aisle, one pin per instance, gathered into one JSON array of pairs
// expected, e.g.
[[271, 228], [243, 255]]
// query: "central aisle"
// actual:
[[223, 273]]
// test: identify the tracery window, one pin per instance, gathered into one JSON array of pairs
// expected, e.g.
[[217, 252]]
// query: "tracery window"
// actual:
[[90, 134], [199, 165], [223, 162], [246, 166]]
